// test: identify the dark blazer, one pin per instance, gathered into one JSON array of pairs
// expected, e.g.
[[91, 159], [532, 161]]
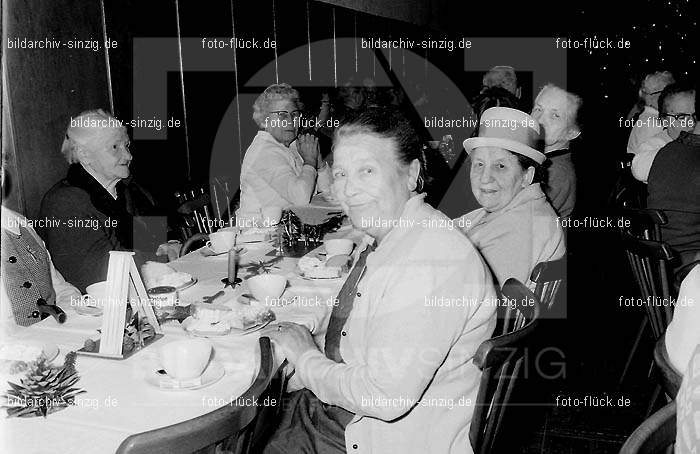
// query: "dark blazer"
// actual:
[[84, 222]]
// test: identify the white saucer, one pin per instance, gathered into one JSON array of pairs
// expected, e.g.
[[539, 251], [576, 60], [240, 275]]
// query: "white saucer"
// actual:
[[211, 375], [88, 310]]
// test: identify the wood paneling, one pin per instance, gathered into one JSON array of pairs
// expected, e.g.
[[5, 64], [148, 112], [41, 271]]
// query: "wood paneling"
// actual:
[[48, 86]]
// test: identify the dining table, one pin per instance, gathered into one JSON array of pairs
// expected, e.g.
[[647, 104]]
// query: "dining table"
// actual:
[[119, 400]]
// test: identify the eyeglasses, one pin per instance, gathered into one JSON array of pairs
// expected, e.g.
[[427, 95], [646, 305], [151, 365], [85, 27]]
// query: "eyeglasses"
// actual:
[[286, 116], [683, 117]]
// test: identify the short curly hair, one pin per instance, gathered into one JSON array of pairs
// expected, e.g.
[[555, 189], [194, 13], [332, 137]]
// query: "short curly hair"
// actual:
[[275, 92], [84, 129]]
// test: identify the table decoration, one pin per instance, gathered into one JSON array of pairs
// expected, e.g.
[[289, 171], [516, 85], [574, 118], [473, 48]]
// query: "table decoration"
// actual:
[[44, 390], [309, 224], [262, 266], [124, 289], [138, 333]]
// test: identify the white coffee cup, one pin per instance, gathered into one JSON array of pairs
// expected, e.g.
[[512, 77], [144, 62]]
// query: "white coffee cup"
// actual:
[[185, 359], [221, 241], [271, 215], [95, 294], [267, 287]]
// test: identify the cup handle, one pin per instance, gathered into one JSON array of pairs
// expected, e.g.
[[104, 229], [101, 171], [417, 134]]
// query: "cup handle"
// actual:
[[87, 300], [208, 244]]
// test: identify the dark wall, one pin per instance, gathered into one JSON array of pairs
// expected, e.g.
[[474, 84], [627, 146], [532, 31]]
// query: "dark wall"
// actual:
[[45, 87], [318, 48]]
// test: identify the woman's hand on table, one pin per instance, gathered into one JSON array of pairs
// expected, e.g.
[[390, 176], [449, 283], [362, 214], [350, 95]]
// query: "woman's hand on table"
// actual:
[[292, 338]]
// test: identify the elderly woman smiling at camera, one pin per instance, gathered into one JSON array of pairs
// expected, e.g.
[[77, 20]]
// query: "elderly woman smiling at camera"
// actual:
[[516, 228], [395, 366], [280, 169], [95, 209]]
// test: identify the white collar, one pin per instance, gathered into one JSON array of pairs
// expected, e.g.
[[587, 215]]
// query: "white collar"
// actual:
[[110, 186], [11, 220], [651, 110]]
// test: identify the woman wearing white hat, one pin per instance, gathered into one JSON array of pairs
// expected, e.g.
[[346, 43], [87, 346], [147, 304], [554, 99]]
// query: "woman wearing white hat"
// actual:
[[516, 227]]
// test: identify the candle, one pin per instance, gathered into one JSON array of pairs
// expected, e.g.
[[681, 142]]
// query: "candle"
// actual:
[[232, 265]]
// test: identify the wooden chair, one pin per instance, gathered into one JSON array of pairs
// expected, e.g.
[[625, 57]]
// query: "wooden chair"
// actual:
[[205, 209], [655, 435], [670, 378], [234, 424], [192, 242], [500, 359], [650, 266], [628, 192], [547, 277], [644, 223]]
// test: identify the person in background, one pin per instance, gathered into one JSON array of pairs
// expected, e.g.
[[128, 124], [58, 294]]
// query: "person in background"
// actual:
[[673, 186], [682, 340], [503, 77], [515, 228], [677, 112], [279, 169], [682, 334], [648, 123], [28, 278], [557, 111], [98, 207], [361, 394]]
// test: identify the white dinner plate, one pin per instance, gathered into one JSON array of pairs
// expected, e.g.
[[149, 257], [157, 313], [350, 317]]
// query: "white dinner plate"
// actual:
[[211, 375], [308, 278], [231, 330]]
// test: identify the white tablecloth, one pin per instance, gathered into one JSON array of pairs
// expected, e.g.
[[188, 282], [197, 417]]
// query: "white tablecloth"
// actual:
[[119, 402]]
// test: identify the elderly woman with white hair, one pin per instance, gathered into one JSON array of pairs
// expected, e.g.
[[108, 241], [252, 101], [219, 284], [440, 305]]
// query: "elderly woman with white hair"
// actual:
[[280, 169], [93, 209]]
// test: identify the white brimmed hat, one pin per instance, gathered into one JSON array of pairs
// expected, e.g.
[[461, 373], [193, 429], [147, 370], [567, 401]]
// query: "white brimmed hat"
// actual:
[[510, 129]]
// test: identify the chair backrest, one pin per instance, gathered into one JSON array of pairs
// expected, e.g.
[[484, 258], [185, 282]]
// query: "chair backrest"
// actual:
[[628, 192], [500, 359], [643, 223], [650, 265], [655, 434], [269, 414], [670, 378], [191, 242], [204, 431], [547, 277], [205, 209]]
